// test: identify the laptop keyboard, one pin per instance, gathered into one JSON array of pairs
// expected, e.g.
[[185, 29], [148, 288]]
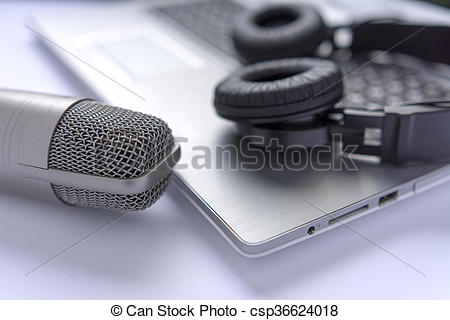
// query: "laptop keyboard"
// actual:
[[210, 20], [375, 84], [382, 84]]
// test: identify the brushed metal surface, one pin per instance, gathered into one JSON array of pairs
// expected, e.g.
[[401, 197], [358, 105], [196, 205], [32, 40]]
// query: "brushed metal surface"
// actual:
[[259, 206]]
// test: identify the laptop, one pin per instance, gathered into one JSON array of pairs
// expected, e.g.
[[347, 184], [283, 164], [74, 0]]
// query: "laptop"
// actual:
[[166, 57]]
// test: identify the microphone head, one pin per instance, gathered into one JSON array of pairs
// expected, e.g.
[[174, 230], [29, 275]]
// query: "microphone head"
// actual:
[[100, 140]]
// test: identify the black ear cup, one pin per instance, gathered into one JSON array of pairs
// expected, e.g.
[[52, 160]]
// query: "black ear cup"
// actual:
[[279, 31], [288, 98], [279, 90]]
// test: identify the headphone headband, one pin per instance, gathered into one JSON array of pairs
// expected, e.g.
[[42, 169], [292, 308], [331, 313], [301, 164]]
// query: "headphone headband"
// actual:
[[407, 133], [430, 43]]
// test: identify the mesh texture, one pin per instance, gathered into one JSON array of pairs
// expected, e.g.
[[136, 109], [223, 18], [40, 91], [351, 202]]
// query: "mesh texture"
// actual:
[[101, 140], [93, 199]]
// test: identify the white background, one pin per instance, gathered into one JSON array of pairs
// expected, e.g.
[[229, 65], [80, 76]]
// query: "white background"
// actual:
[[170, 250]]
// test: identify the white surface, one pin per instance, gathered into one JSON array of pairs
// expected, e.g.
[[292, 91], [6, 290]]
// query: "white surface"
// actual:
[[170, 250]]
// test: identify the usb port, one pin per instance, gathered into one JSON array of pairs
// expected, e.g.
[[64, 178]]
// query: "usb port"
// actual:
[[388, 198]]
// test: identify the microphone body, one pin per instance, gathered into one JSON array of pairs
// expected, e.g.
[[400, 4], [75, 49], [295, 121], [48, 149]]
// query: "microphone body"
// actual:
[[27, 122], [82, 152]]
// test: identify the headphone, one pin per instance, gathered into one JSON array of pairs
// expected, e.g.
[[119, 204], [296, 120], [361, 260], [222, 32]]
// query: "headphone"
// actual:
[[283, 94]]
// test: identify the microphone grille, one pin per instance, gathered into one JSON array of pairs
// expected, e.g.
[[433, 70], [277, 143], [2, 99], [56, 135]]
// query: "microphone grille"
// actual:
[[97, 139]]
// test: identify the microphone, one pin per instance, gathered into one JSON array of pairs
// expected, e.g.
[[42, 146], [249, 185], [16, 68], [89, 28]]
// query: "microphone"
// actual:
[[87, 153]]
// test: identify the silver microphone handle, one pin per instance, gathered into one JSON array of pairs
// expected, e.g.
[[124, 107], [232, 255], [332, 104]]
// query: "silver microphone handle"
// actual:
[[27, 123]]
